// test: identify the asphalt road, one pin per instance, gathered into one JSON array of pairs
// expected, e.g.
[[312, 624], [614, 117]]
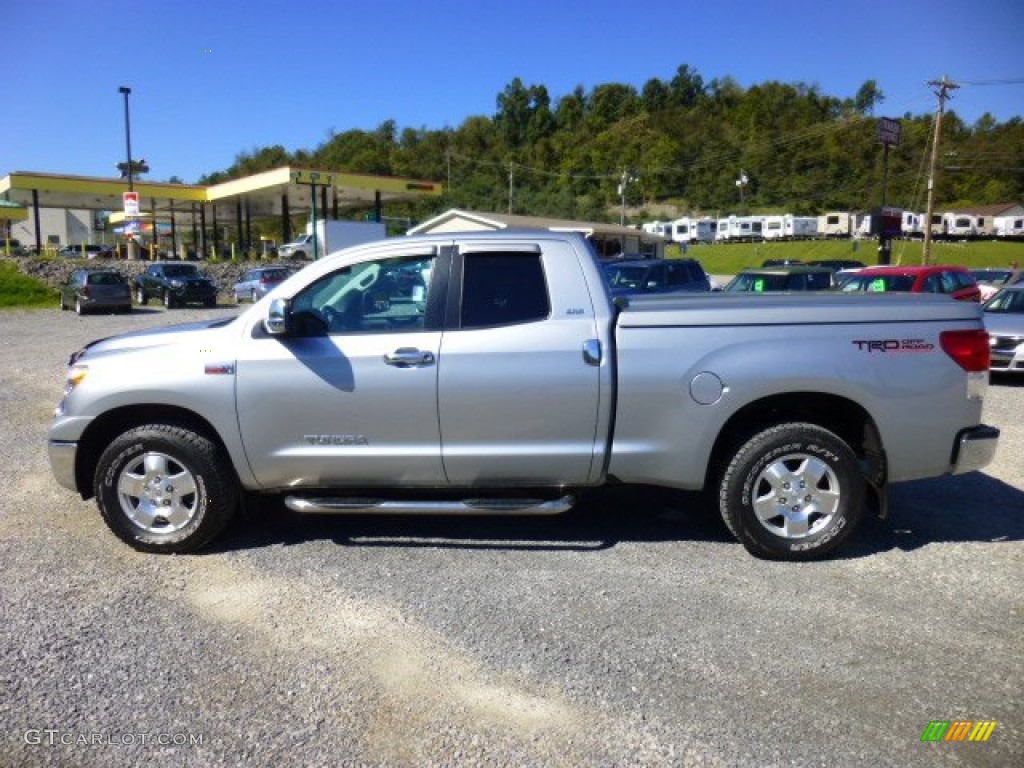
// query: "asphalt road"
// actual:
[[632, 632]]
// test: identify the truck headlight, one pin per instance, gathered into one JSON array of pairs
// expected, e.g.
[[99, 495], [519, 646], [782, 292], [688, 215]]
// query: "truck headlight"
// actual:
[[76, 375]]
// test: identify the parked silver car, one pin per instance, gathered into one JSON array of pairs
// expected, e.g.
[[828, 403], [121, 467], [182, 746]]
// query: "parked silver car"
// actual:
[[991, 280], [89, 289], [258, 282], [87, 251], [1004, 321]]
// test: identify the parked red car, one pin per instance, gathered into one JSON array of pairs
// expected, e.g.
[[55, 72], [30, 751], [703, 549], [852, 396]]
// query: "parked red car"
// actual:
[[957, 282]]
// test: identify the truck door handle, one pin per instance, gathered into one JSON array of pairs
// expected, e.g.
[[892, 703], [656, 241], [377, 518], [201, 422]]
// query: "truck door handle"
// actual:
[[407, 357]]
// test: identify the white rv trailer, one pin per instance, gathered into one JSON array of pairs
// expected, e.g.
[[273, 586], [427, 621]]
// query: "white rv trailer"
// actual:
[[773, 227], [786, 226], [739, 228], [910, 224], [861, 224], [835, 224], [961, 224], [691, 230], [799, 227], [663, 228], [1008, 226], [936, 223]]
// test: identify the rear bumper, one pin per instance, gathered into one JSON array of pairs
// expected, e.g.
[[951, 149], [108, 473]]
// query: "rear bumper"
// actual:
[[974, 448], [107, 303]]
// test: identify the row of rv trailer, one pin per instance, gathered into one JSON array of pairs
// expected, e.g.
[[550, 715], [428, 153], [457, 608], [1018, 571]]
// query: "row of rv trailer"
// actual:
[[789, 227]]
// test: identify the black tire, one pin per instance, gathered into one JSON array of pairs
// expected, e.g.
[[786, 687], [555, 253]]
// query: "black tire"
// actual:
[[159, 467], [792, 492], [210, 303], [79, 309], [168, 300], [63, 306], [253, 297], [140, 297]]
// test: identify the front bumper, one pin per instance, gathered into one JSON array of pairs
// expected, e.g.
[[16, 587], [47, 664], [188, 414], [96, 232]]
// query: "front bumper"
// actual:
[[1012, 361], [974, 448], [194, 292], [62, 462]]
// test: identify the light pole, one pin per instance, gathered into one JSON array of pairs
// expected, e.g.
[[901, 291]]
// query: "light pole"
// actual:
[[127, 133], [131, 245]]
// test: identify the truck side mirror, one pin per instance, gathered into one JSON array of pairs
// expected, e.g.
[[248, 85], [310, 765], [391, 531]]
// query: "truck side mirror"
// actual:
[[276, 321]]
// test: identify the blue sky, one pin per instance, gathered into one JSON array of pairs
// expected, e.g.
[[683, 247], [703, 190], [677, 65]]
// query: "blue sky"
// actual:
[[213, 78]]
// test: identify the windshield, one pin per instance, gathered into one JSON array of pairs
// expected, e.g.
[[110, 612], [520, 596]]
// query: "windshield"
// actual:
[[181, 270], [991, 275], [797, 281], [104, 278], [625, 276], [1006, 302], [879, 283], [273, 274]]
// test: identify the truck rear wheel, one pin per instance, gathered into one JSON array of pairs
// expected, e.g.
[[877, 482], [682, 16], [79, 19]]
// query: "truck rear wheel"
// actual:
[[792, 492], [162, 488]]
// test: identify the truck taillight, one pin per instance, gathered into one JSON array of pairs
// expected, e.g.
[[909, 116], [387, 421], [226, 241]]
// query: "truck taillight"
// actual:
[[969, 349]]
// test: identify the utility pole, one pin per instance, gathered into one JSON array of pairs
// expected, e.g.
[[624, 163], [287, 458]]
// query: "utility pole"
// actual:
[[626, 179], [944, 86], [511, 165], [741, 182]]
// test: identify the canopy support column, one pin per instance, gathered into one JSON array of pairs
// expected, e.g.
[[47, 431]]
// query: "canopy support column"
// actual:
[[202, 231], [286, 220], [35, 219]]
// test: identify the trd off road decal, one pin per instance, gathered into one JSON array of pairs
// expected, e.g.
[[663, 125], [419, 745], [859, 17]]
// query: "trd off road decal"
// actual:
[[893, 345]]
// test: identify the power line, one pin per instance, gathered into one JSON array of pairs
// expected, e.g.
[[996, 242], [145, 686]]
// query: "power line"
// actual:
[[1010, 81]]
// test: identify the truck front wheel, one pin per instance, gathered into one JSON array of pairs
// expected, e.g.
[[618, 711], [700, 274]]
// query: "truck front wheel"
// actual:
[[163, 488], [792, 492]]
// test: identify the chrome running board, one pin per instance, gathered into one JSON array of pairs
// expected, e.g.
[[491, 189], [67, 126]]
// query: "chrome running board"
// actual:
[[356, 506]]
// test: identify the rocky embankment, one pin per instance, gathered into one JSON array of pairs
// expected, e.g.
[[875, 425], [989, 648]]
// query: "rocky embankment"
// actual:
[[56, 271]]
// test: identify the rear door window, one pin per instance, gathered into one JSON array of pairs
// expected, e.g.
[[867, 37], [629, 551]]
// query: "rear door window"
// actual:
[[503, 289]]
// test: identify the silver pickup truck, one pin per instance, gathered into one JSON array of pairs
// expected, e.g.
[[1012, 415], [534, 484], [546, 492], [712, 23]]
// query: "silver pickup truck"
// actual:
[[491, 373]]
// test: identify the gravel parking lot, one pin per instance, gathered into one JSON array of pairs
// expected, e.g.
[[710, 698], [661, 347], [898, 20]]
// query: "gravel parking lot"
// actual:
[[634, 631]]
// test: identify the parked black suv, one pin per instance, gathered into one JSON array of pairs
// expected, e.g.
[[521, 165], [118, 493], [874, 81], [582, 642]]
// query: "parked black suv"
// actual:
[[175, 284], [633, 276]]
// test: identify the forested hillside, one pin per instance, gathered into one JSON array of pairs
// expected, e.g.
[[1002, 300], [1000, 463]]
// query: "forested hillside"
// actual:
[[683, 142]]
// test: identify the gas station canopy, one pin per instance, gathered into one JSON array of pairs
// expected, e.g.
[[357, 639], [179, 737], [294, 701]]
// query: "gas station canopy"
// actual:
[[280, 192], [12, 211]]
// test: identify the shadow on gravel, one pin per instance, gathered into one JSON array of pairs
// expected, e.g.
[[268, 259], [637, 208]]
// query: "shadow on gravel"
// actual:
[[968, 508], [601, 519], [1010, 380]]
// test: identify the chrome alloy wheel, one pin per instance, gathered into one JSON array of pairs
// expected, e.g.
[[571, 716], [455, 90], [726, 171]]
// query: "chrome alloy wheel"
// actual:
[[795, 496], [157, 493]]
